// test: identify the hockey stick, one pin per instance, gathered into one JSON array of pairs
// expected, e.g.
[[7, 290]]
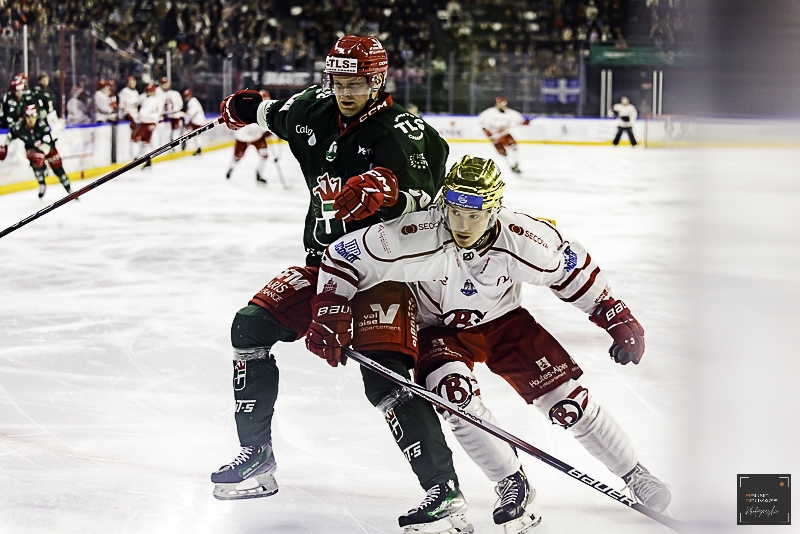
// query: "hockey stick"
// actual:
[[110, 176], [498, 432]]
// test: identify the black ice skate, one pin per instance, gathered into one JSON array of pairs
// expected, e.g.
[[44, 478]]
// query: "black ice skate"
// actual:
[[249, 475], [647, 489], [228, 174], [260, 179], [516, 170], [197, 152], [515, 508], [147, 164], [42, 189], [442, 512]]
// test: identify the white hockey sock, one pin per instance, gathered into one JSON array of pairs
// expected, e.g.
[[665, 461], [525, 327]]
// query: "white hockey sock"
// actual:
[[455, 382], [594, 428], [511, 155]]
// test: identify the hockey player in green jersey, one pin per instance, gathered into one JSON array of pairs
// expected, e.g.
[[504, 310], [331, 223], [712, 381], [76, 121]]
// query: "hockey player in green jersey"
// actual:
[[16, 100], [365, 159], [39, 145]]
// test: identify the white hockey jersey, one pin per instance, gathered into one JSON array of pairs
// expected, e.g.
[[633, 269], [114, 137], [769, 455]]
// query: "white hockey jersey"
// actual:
[[463, 287], [626, 114], [173, 104], [194, 112], [499, 123], [150, 110], [128, 102], [250, 133], [103, 111]]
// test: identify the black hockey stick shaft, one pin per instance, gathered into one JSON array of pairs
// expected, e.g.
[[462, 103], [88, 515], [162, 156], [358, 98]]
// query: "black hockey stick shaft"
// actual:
[[110, 176], [498, 432]]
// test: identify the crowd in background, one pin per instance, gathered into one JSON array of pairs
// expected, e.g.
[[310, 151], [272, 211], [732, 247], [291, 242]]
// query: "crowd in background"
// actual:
[[487, 38]]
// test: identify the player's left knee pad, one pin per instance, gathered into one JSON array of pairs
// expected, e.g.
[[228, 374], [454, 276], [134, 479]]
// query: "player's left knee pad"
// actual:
[[455, 382], [571, 406]]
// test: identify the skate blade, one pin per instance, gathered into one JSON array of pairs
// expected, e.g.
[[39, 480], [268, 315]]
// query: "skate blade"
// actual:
[[452, 524], [524, 523], [258, 486]]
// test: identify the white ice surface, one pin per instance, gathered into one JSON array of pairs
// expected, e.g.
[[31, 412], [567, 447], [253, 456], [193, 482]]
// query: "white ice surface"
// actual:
[[115, 367]]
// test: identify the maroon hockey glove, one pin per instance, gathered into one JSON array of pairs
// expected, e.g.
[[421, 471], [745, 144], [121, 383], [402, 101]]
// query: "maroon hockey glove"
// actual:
[[239, 109], [364, 194], [331, 327], [615, 317], [3, 152], [487, 132], [36, 158]]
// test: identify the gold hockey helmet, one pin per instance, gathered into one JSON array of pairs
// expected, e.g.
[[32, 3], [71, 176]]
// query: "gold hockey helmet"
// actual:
[[473, 183]]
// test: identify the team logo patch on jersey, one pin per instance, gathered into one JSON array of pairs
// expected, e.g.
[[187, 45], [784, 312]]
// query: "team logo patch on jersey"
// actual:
[[462, 318], [418, 161], [570, 260], [348, 251], [330, 155], [543, 364], [468, 256], [469, 287], [411, 125]]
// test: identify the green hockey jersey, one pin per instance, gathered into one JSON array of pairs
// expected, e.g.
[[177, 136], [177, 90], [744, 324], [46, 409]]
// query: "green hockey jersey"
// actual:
[[330, 151], [39, 138]]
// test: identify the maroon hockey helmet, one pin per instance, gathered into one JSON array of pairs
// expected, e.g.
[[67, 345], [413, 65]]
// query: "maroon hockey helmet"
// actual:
[[264, 94], [187, 94], [355, 55], [164, 81], [500, 100], [30, 109], [150, 88]]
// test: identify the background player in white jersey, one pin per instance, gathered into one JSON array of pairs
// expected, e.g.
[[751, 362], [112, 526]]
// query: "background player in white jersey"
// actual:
[[149, 115], [194, 117], [255, 136], [497, 122], [104, 103], [173, 107], [626, 116], [467, 261], [129, 102]]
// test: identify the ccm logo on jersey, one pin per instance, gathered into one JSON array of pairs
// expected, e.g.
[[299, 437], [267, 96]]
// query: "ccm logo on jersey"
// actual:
[[527, 233]]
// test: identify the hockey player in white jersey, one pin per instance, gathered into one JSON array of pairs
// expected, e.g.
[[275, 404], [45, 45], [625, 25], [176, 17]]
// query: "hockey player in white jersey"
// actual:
[[626, 115], [466, 261], [497, 122], [129, 102], [255, 136], [173, 107], [194, 117], [149, 115]]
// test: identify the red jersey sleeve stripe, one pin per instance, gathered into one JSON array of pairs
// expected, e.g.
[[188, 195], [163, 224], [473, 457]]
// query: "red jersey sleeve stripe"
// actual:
[[582, 291], [572, 276], [333, 271]]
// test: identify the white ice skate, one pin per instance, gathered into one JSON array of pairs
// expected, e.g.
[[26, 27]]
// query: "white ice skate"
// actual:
[[647, 489], [251, 474]]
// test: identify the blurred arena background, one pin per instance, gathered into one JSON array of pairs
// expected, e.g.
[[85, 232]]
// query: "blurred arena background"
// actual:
[[711, 75]]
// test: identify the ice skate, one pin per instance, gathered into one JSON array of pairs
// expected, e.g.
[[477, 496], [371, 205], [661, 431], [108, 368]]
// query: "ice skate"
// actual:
[[249, 475], [260, 179], [443, 511], [147, 164], [515, 508], [197, 152], [42, 189], [516, 170], [647, 489], [228, 174]]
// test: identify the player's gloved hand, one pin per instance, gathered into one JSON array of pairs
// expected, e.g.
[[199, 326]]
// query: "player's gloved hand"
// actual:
[[364, 194], [487, 132], [615, 317], [239, 109], [331, 327], [36, 158], [3, 152], [526, 122]]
